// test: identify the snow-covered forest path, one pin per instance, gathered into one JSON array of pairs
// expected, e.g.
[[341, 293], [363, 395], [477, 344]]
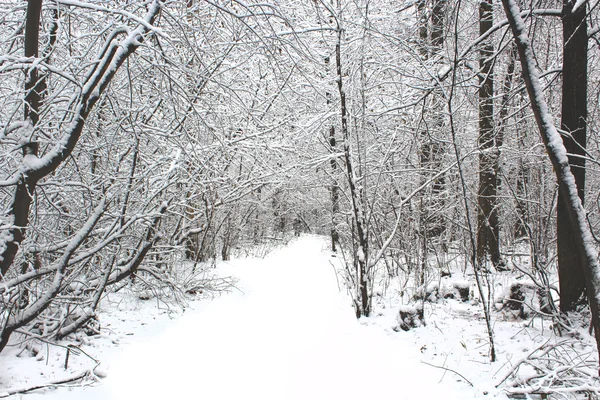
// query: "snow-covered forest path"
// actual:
[[288, 333]]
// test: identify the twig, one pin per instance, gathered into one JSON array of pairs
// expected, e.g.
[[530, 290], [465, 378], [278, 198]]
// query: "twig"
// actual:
[[451, 370]]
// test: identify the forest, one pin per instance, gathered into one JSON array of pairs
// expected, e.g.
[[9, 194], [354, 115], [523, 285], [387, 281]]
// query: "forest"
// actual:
[[143, 141]]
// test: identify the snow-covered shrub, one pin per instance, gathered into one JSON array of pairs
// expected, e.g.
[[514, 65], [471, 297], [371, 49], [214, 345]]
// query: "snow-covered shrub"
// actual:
[[459, 290], [430, 292], [433, 292], [521, 299], [410, 317]]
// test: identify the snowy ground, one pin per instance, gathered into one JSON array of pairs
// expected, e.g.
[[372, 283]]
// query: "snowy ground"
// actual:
[[287, 333]]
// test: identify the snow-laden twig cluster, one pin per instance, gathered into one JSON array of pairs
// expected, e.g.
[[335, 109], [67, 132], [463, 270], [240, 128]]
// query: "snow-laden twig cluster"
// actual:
[[554, 368]]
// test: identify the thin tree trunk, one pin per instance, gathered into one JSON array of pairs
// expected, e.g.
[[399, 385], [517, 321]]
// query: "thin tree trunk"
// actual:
[[335, 195], [23, 317], [360, 258], [335, 188]]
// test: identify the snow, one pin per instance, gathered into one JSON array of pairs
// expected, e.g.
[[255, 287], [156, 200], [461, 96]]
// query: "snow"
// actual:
[[285, 332], [6, 235], [407, 309], [578, 4], [32, 162], [142, 21], [459, 284], [360, 254]]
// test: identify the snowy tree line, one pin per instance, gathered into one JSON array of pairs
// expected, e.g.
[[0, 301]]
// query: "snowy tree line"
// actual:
[[139, 139]]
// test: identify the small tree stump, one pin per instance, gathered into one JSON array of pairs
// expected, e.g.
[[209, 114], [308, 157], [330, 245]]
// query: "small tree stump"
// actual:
[[521, 299], [410, 317], [463, 289], [515, 299]]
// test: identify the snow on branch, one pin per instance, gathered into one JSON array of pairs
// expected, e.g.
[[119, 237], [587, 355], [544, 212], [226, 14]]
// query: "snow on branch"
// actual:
[[112, 57], [553, 369], [90, 6], [25, 316]]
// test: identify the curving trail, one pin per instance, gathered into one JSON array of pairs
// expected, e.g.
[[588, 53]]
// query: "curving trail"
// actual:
[[288, 334]]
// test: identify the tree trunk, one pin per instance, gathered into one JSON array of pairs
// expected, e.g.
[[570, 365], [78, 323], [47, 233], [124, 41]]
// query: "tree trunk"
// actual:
[[437, 25], [488, 243], [423, 44], [19, 209], [32, 38], [360, 258], [335, 196], [574, 116], [335, 188], [582, 236]]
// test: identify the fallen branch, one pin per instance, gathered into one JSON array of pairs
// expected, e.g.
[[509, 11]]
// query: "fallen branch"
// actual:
[[74, 378], [556, 370]]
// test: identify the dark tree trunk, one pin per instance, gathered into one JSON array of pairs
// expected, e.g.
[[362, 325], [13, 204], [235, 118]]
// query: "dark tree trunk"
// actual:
[[32, 82], [574, 116], [26, 185], [437, 24], [432, 149], [488, 243], [423, 44]]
